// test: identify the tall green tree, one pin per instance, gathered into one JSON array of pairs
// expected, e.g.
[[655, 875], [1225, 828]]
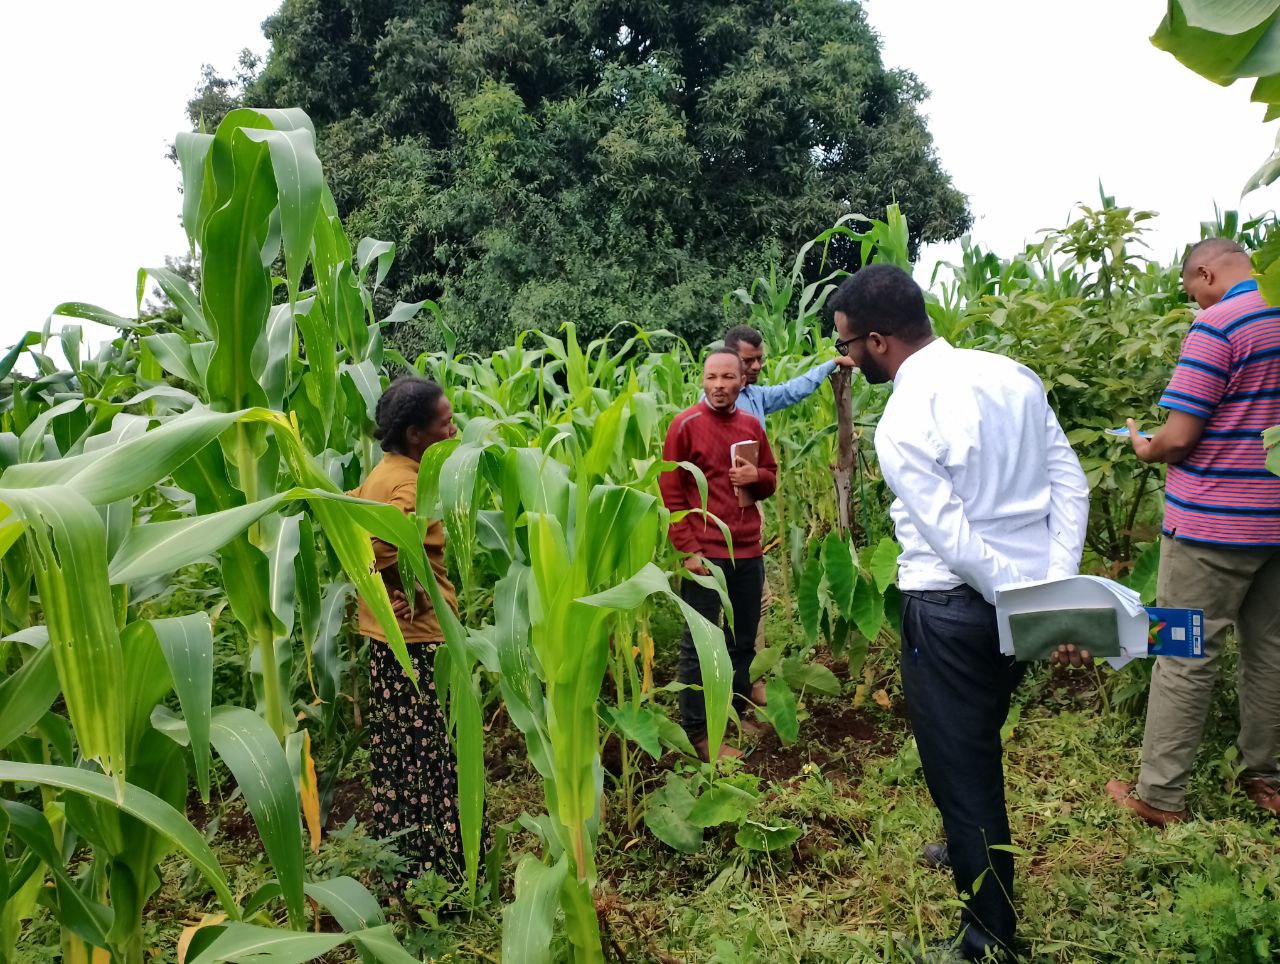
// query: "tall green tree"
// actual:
[[600, 161]]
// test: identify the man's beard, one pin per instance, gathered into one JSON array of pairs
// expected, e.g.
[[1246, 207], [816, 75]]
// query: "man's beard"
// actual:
[[873, 371]]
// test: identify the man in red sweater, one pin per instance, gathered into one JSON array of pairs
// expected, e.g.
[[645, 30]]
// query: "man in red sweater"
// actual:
[[703, 436]]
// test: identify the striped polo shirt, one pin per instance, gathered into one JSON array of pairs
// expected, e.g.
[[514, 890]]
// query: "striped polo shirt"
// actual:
[[1229, 375]]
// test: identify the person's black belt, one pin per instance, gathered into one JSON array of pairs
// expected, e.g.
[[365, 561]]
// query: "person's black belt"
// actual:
[[943, 596]]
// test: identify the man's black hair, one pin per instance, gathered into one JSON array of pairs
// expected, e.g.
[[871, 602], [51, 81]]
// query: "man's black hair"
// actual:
[[885, 299], [1208, 249], [742, 334], [723, 351], [408, 402]]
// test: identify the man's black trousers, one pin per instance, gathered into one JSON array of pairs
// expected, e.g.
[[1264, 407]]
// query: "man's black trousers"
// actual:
[[957, 687], [744, 580]]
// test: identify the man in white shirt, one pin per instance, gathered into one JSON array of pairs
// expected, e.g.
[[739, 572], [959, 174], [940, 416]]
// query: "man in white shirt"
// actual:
[[988, 494]]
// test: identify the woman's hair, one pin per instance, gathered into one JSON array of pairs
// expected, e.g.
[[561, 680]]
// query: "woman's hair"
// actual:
[[407, 402]]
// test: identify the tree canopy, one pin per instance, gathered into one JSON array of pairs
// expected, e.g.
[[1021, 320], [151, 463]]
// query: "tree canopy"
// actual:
[[600, 161]]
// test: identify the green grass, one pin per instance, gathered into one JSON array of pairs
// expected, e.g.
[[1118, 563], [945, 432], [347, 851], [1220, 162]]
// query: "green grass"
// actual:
[[1093, 884]]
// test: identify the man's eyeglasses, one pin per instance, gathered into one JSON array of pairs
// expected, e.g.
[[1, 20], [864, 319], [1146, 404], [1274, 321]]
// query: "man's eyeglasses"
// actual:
[[843, 346]]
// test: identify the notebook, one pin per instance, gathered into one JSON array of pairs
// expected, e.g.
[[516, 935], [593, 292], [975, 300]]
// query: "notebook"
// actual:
[[748, 451], [1037, 634]]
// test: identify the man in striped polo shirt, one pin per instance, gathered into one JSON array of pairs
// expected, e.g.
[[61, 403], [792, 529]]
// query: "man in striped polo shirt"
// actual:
[[1220, 550]]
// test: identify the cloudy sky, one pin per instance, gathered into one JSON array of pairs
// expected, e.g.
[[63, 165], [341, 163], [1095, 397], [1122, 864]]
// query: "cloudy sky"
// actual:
[[1032, 104]]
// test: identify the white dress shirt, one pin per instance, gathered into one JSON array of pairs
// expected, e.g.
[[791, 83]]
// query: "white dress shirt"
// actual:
[[989, 491]]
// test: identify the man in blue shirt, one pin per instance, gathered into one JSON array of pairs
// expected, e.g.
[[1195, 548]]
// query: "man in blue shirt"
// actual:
[[761, 400]]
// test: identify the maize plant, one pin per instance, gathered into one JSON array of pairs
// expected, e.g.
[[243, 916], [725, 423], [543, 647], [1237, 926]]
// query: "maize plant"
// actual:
[[223, 436], [172, 446]]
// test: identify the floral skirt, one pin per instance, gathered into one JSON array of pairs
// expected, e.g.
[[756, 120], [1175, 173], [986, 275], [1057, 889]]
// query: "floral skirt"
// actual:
[[414, 773]]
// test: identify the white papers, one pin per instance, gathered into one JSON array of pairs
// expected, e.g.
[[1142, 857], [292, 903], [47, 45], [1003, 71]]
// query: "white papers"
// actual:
[[1077, 592]]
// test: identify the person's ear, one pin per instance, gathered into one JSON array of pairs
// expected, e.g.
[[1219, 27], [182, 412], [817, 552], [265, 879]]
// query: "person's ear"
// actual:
[[877, 343]]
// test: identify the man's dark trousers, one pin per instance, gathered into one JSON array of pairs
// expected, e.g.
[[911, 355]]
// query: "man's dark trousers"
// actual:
[[744, 580], [957, 686]]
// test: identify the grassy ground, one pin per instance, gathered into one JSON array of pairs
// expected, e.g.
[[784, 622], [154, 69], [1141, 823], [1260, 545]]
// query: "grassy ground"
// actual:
[[1093, 885]]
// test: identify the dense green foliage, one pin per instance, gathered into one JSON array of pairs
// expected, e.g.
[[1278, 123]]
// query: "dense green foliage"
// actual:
[[596, 161], [237, 735]]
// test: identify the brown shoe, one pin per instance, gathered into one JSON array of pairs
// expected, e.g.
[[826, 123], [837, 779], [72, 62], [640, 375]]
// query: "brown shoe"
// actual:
[[1122, 793], [727, 752], [758, 694], [1262, 794]]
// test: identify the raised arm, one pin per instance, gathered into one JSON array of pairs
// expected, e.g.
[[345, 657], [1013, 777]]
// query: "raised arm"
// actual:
[[914, 473], [1199, 381], [774, 398]]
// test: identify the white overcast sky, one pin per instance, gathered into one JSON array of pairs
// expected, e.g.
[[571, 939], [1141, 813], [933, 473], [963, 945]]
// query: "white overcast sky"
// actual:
[[1032, 104]]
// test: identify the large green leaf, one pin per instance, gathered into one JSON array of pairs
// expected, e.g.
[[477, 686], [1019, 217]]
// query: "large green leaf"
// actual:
[[837, 563], [173, 353], [192, 149], [84, 917], [178, 291], [253, 944], [267, 945], [868, 608], [117, 472], [281, 538], [721, 803], [780, 710], [32, 441], [640, 725], [187, 644], [235, 287], [1219, 57], [624, 533], [884, 563], [571, 645], [810, 676], [348, 901], [14, 353], [67, 540], [251, 751], [327, 663], [299, 184], [26, 694], [5, 876], [156, 548], [522, 694], [1227, 16], [380, 944], [666, 814], [78, 309], [307, 582], [136, 802], [807, 602], [708, 639], [529, 921], [762, 837]]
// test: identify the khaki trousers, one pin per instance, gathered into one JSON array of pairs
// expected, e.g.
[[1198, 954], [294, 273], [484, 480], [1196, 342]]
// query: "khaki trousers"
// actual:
[[1232, 586]]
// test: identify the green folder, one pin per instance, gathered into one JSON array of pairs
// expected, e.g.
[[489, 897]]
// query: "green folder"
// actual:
[[1036, 635]]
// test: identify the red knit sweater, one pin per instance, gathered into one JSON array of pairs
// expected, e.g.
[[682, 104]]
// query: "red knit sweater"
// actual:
[[702, 435]]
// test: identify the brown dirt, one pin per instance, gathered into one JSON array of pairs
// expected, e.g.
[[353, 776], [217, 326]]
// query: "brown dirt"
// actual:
[[350, 799], [836, 731]]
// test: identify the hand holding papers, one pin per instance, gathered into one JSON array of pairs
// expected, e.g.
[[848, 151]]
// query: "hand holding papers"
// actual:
[[1094, 614]]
